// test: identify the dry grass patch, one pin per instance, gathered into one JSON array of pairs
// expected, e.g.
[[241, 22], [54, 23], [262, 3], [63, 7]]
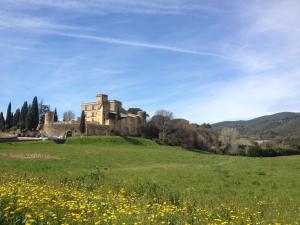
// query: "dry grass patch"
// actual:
[[24, 155], [6, 135]]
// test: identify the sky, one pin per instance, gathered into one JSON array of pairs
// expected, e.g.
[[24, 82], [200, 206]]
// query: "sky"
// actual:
[[206, 61]]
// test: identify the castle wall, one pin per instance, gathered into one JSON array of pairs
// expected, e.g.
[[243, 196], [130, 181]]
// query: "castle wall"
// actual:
[[91, 112], [133, 125], [115, 106], [61, 128], [101, 98], [49, 118], [101, 114], [95, 129]]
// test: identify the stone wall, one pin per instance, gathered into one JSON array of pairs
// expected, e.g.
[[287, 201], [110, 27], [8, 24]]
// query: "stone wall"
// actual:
[[61, 129], [73, 129], [95, 129], [130, 126]]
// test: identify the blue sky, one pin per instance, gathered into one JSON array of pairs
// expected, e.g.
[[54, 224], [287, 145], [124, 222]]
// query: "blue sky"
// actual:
[[206, 61]]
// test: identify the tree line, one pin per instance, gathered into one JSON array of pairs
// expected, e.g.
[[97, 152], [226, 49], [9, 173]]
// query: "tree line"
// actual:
[[164, 129], [27, 117]]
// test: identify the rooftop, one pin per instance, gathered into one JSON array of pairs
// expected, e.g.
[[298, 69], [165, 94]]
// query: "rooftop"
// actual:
[[89, 103]]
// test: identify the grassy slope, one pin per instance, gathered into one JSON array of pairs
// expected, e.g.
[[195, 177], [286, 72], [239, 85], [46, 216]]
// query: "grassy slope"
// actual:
[[206, 178]]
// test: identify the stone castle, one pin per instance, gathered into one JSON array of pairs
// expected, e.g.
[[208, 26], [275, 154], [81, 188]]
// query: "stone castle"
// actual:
[[103, 117]]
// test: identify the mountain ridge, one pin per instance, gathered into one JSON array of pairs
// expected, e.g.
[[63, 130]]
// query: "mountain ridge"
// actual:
[[278, 125]]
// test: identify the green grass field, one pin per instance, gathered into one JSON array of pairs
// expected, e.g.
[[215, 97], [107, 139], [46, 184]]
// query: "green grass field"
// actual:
[[270, 185]]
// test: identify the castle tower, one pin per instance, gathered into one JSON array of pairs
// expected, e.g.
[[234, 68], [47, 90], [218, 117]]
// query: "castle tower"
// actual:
[[115, 106], [49, 118], [143, 116], [102, 101], [101, 98]]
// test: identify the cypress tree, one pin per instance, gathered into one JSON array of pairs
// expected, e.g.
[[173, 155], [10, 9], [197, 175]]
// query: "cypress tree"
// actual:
[[8, 124], [16, 119], [29, 119], [2, 122], [12, 119], [55, 115], [23, 113], [82, 122], [35, 113]]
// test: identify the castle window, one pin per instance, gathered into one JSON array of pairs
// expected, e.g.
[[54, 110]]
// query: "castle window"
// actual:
[[112, 116]]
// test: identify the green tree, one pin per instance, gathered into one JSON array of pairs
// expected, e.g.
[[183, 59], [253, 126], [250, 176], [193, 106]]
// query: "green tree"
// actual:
[[82, 122], [16, 119], [161, 120], [42, 111], [55, 116], [23, 113], [35, 113], [29, 119], [2, 122], [206, 125], [8, 120], [12, 119], [68, 116]]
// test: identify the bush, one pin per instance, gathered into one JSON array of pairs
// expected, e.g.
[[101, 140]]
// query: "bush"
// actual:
[[150, 131], [256, 151]]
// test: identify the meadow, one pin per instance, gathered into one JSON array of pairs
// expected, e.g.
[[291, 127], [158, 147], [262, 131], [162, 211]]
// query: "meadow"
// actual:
[[115, 180]]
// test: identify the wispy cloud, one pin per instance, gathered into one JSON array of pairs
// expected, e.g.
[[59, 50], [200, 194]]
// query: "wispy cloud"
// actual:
[[18, 47], [40, 25], [254, 53], [119, 6], [110, 40], [21, 21], [244, 98], [269, 38], [265, 51], [102, 71]]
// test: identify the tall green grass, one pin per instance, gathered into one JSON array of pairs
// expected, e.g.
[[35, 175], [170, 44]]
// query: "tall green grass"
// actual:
[[166, 173]]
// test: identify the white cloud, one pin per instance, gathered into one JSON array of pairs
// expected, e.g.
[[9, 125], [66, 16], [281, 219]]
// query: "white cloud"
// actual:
[[262, 47], [39, 25], [111, 40], [21, 21], [104, 72], [275, 17], [265, 50], [118, 6], [269, 37], [245, 98]]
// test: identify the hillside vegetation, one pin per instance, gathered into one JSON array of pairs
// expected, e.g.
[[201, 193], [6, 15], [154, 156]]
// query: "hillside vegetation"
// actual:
[[279, 125], [267, 136], [187, 187]]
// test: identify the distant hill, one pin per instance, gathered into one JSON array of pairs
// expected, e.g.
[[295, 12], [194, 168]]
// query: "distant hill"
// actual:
[[284, 124]]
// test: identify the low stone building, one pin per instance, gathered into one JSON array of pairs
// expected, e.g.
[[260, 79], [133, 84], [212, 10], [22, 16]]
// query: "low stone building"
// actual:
[[103, 117]]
